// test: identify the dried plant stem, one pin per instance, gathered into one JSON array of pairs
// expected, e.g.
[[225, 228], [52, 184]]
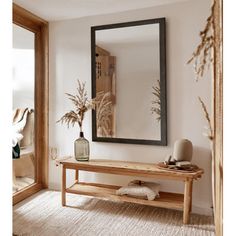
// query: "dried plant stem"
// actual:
[[156, 108], [202, 56], [206, 114], [208, 53], [104, 113]]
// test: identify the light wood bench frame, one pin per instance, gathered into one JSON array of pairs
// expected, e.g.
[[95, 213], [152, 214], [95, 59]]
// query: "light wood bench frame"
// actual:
[[166, 200]]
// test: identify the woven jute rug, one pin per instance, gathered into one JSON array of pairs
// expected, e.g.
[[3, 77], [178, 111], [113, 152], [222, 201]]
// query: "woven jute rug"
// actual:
[[43, 215]]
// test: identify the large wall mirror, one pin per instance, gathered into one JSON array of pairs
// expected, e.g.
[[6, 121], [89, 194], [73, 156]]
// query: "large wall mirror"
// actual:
[[129, 82]]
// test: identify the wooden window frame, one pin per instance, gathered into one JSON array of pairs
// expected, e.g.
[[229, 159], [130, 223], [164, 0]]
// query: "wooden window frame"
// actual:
[[29, 21]]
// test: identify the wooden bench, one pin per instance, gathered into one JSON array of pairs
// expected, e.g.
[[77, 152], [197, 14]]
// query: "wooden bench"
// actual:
[[166, 200]]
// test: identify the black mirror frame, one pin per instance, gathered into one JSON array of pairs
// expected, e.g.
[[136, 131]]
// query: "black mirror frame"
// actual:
[[162, 44]]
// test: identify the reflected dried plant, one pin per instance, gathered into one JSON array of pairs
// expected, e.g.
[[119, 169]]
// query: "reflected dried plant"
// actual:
[[104, 105], [203, 56], [156, 108], [81, 103], [209, 129]]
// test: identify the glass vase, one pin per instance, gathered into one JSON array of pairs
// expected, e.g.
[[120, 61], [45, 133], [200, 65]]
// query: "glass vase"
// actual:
[[81, 148]]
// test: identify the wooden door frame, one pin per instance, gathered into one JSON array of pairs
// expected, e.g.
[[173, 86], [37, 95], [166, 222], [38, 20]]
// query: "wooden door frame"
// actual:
[[218, 115], [33, 23]]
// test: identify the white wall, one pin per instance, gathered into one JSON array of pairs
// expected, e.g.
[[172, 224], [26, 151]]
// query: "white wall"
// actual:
[[70, 60]]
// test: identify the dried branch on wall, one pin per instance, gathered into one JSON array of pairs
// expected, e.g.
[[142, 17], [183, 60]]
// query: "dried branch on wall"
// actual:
[[209, 52], [202, 56], [156, 108], [103, 104]]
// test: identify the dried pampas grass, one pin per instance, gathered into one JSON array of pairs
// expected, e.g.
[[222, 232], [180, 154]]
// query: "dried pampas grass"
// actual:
[[203, 59], [104, 105], [81, 103], [203, 55], [156, 108], [206, 115]]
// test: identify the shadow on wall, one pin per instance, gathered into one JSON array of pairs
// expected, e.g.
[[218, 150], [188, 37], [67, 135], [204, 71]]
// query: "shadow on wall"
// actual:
[[202, 190], [202, 158]]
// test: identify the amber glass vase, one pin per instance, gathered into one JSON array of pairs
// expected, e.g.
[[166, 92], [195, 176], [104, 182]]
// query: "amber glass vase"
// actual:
[[81, 148]]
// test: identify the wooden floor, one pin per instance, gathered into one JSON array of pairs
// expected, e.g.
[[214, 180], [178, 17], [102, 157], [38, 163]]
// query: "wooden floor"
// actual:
[[21, 183]]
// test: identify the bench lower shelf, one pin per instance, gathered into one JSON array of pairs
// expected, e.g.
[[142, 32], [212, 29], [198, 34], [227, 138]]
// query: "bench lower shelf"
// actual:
[[166, 200]]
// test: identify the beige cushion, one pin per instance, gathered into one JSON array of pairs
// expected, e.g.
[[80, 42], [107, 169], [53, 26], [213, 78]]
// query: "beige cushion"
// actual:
[[137, 188], [137, 191], [155, 187], [24, 166]]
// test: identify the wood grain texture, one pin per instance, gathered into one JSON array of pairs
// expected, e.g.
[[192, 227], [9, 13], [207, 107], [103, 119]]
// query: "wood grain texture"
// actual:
[[218, 116], [129, 168], [26, 19], [76, 176], [166, 200], [44, 108], [26, 192], [39, 27], [63, 186], [102, 51], [187, 200]]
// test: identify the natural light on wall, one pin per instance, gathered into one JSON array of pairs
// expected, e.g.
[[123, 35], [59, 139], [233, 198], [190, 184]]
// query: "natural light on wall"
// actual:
[[23, 68]]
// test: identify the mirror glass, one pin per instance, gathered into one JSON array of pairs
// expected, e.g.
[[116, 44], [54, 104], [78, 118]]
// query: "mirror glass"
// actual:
[[23, 108], [128, 82]]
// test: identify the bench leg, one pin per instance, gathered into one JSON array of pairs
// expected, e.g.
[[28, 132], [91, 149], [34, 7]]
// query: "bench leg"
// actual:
[[187, 200], [76, 176], [63, 186]]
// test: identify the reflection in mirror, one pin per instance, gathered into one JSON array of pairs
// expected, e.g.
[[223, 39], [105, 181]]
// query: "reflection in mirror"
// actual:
[[23, 108], [128, 81]]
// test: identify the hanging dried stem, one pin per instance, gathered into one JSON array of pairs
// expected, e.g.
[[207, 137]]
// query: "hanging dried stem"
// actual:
[[210, 134], [156, 108], [103, 104], [202, 56], [81, 103]]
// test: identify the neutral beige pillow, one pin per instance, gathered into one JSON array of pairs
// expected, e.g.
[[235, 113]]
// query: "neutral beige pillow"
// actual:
[[138, 188], [24, 166], [155, 187], [137, 191]]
